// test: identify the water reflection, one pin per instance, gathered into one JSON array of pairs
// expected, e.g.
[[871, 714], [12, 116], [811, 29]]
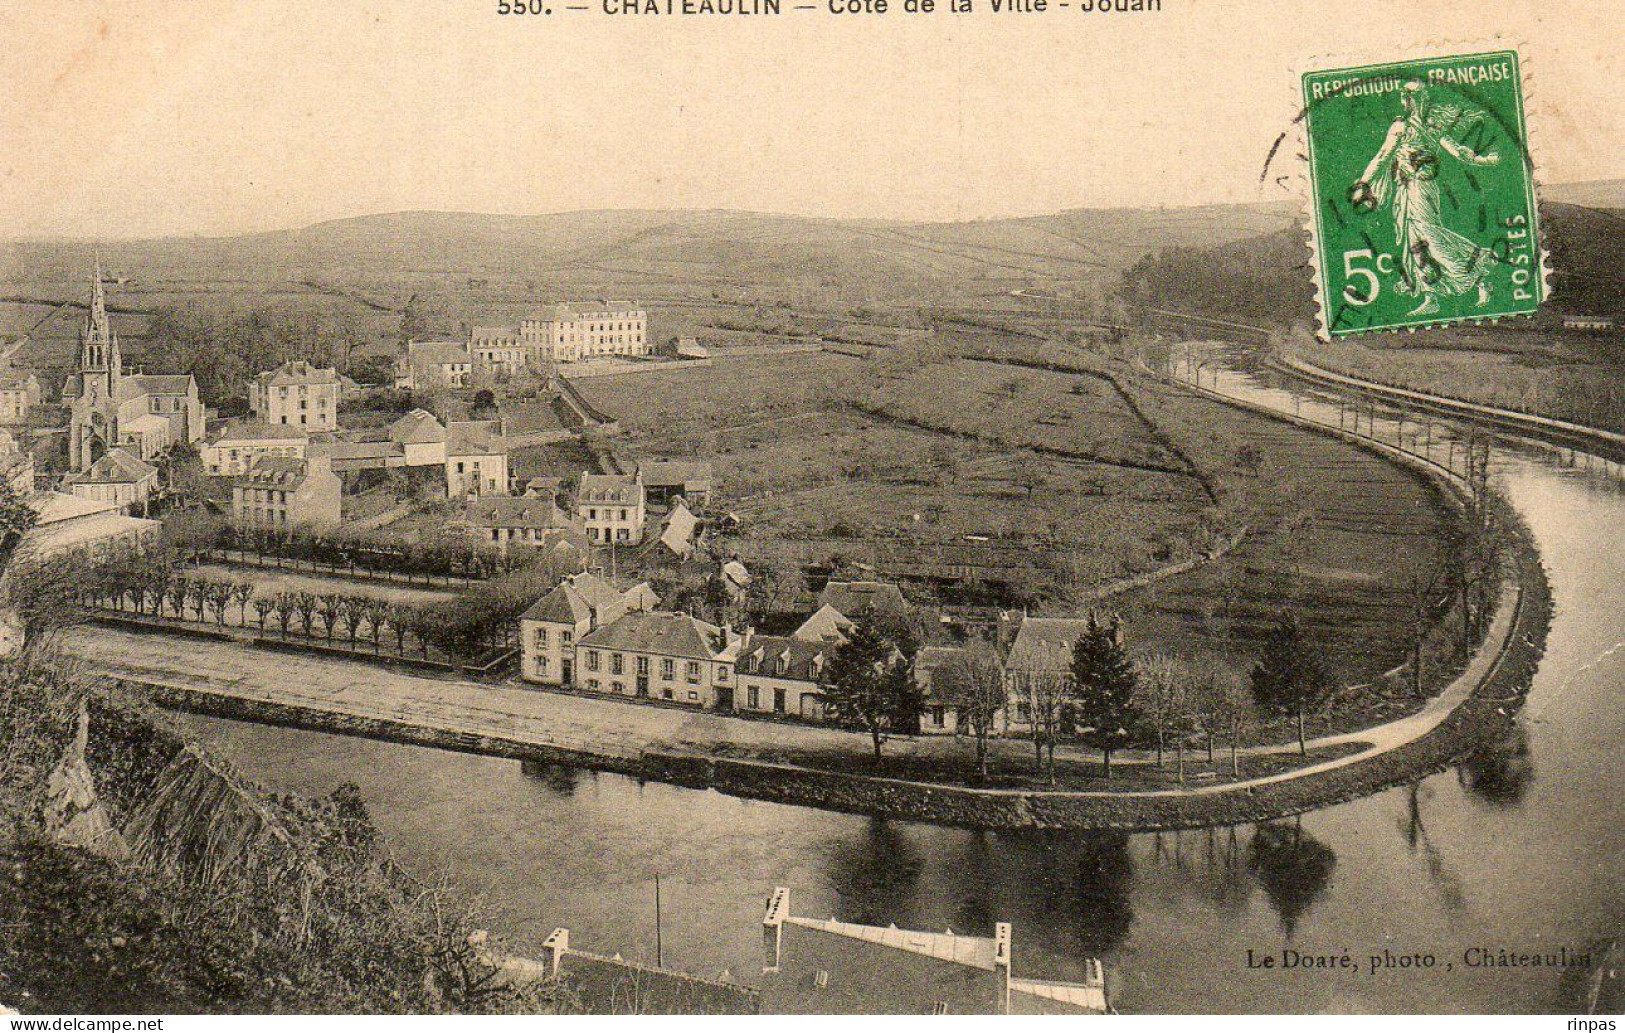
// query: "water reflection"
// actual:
[[1293, 867], [875, 874], [1501, 772], [559, 778]]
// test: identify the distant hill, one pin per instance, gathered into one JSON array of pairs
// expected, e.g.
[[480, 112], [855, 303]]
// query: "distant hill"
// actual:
[[652, 253], [1268, 277]]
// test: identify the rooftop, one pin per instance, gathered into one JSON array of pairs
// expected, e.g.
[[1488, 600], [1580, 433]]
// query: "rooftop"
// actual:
[[692, 474], [438, 353], [852, 598], [516, 511], [297, 371], [253, 431], [662, 633], [274, 472], [609, 487], [115, 467], [1045, 643]]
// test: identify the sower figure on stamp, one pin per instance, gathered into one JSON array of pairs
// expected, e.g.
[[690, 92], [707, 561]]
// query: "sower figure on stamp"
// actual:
[[1433, 258]]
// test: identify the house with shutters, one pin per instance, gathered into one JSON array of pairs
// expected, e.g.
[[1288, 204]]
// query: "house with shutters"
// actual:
[[297, 394], [781, 676], [238, 443], [554, 625]]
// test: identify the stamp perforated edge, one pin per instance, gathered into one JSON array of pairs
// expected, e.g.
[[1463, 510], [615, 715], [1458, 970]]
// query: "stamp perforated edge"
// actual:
[[1302, 178]]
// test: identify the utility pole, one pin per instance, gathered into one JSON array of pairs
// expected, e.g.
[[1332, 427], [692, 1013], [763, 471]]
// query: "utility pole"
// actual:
[[660, 953]]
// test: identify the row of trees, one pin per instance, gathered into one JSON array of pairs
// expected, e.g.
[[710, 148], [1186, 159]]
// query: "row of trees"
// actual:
[[1102, 696], [468, 629], [449, 557]]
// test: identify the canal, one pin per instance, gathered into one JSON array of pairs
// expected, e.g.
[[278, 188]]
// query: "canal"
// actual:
[[1522, 848]]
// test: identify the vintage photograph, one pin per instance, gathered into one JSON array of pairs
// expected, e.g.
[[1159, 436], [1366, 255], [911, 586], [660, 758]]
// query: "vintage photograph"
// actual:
[[859, 507]]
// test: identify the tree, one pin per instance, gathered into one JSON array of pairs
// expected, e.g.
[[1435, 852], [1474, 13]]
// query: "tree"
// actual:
[[241, 593], [305, 604], [1219, 702], [220, 596], [399, 616], [1290, 677], [973, 683], [353, 611], [863, 688], [1046, 693], [1422, 590], [262, 608], [1104, 683], [286, 608], [377, 615], [330, 606], [1161, 698], [17, 518]]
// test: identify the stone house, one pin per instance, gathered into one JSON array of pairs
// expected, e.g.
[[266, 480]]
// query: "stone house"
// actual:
[[240, 442], [612, 507], [282, 493]]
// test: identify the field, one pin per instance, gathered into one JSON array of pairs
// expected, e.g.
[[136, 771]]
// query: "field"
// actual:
[[1569, 375], [960, 462]]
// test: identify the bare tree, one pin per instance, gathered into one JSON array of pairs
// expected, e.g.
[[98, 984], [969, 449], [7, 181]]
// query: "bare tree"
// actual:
[[974, 683], [1046, 694], [1163, 688]]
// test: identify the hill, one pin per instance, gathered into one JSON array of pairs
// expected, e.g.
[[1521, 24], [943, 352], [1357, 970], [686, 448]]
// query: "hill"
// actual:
[[1267, 277], [656, 254]]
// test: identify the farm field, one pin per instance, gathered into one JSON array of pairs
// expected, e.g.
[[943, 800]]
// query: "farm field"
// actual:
[[1338, 536], [1570, 376], [1028, 408]]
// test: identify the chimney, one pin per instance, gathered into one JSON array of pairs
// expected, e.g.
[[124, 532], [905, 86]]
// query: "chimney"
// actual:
[[778, 906], [1001, 964], [555, 947]]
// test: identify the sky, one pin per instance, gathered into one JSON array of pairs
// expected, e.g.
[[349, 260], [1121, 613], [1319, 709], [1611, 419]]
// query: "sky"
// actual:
[[127, 118]]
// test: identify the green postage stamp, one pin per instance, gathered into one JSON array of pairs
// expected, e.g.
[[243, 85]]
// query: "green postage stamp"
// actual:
[[1422, 201]]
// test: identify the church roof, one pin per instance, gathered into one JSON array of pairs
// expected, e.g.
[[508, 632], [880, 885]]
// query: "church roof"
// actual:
[[115, 467]]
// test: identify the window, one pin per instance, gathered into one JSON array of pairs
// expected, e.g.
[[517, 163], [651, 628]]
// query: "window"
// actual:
[[778, 701], [617, 663], [643, 667], [666, 666], [666, 694], [691, 671], [938, 717], [592, 683], [693, 695], [541, 665], [541, 638], [753, 698], [722, 672], [618, 687], [592, 659], [567, 636]]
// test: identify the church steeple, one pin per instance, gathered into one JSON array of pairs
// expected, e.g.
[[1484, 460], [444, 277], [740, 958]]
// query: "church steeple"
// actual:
[[98, 344]]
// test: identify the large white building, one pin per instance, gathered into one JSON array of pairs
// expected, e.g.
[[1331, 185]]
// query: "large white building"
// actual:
[[297, 394], [587, 331], [567, 332]]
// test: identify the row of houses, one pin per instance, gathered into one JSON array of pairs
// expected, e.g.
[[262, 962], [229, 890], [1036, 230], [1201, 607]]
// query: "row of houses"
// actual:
[[567, 332], [590, 635]]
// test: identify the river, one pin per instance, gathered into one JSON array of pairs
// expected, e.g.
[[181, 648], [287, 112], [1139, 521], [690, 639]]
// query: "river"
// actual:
[[1522, 848]]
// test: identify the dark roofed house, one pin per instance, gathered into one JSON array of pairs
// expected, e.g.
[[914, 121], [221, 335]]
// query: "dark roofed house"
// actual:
[[853, 598], [534, 521], [829, 967], [667, 479]]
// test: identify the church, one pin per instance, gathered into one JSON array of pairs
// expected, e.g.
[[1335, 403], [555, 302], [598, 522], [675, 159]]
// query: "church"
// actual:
[[142, 413]]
